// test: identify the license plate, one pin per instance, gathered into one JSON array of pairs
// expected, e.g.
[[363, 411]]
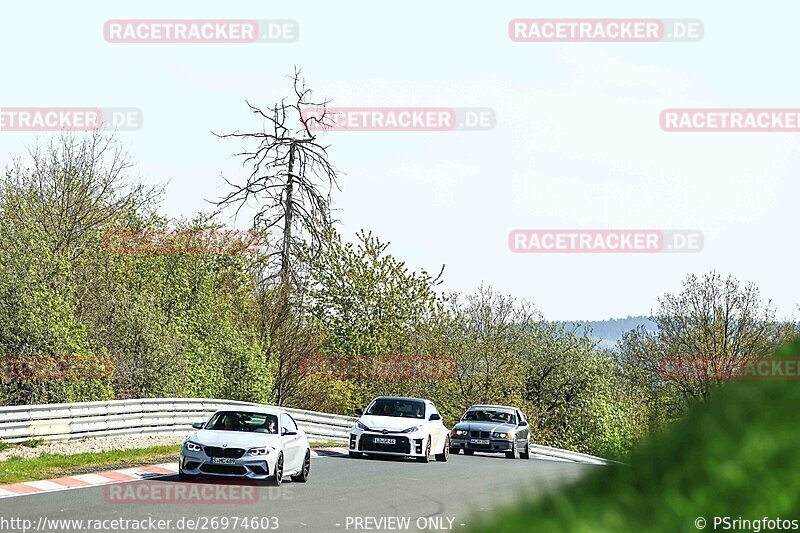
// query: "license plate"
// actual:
[[223, 461], [479, 441], [381, 440]]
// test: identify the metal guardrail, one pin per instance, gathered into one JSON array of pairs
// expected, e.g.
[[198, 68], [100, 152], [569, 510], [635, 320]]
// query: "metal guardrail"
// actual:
[[566, 455], [161, 416], [175, 416]]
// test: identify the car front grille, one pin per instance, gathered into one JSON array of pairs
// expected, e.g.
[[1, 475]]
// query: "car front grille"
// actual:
[[479, 434], [401, 445], [223, 469], [231, 453]]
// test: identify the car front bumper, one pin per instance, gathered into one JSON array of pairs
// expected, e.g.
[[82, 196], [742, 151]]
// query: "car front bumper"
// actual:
[[494, 446], [405, 445], [198, 463]]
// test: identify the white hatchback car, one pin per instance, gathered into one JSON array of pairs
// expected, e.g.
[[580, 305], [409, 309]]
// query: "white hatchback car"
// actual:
[[407, 427], [255, 442]]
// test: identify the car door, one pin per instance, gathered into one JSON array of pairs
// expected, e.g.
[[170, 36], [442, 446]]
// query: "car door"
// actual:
[[523, 430], [436, 429], [293, 448]]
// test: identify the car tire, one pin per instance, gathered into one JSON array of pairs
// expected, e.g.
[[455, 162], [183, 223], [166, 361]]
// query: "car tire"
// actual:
[[513, 453], [468, 452], [442, 457], [277, 477], [527, 453], [427, 457], [302, 477], [355, 455]]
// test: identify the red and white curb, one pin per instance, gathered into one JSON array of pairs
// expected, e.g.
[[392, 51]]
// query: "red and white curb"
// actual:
[[116, 476], [88, 480], [329, 452]]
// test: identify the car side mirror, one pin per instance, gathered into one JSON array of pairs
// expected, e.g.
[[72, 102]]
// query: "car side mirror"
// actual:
[[523, 423], [287, 432], [198, 425], [456, 420], [359, 411], [435, 416]]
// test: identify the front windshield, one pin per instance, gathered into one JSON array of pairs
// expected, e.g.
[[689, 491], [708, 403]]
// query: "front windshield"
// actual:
[[398, 408], [490, 415], [243, 421]]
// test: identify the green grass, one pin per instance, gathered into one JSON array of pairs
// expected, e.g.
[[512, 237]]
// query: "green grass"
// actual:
[[48, 466], [737, 456], [326, 444], [32, 443], [4, 446]]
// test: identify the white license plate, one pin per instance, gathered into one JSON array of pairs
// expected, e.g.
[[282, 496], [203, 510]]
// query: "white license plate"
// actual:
[[479, 441], [223, 461], [381, 440]]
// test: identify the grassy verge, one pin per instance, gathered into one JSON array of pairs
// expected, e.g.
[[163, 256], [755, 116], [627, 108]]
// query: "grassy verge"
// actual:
[[326, 444], [736, 457], [49, 466]]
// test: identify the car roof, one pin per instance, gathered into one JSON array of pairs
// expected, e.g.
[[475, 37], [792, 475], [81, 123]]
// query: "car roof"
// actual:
[[492, 407], [400, 398], [262, 409]]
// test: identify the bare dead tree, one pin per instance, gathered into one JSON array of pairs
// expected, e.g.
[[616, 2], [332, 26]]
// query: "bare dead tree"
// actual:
[[289, 170], [290, 181]]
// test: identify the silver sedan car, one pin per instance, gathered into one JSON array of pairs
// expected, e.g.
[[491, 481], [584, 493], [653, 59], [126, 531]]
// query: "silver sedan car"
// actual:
[[492, 429]]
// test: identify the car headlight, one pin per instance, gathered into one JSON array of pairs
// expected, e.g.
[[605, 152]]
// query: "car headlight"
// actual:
[[362, 426], [501, 435], [460, 432], [411, 430], [259, 451], [192, 447]]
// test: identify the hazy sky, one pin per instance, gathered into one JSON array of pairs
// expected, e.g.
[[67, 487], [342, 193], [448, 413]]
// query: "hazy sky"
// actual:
[[577, 142]]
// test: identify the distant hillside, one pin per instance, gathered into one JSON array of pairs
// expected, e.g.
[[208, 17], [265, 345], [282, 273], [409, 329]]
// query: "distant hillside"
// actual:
[[609, 332]]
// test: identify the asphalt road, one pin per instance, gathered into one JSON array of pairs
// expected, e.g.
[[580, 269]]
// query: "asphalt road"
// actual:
[[342, 494]]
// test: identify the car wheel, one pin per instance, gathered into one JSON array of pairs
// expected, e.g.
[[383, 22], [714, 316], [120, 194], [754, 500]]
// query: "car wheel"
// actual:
[[442, 457], [185, 477], [355, 455], [468, 452], [277, 477], [302, 477], [527, 453], [427, 456], [513, 453]]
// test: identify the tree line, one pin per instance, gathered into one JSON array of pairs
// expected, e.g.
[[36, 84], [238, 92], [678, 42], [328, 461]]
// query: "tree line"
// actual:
[[244, 326]]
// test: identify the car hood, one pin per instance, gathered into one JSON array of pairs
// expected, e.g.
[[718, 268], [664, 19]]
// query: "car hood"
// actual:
[[391, 423], [473, 425], [233, 439]]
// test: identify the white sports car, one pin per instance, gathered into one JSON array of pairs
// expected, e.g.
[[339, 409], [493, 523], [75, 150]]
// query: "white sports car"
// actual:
[[407, 427], [251, 442]]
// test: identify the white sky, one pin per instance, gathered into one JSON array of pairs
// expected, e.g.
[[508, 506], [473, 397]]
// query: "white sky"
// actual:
[[577, 142]]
